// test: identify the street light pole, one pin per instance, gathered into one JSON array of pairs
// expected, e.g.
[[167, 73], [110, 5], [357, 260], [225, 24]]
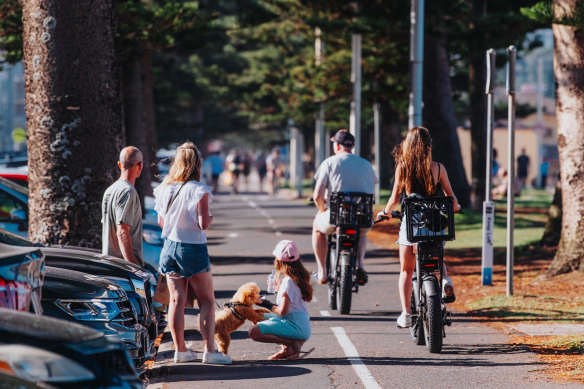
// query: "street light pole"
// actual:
[[416, 62], [319, 138], [488, 205], [355, 119], [512, 54]]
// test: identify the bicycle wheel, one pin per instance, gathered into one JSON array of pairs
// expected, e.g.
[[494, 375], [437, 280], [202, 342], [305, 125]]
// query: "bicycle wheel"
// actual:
[[333, 280], [433, 325], [417, 328], [345, 290]]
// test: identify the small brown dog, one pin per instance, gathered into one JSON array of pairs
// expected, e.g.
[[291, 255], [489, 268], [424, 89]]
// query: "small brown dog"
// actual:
[[233, 315]]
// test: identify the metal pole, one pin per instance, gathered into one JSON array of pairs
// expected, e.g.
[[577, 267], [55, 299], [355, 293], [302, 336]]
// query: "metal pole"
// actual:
[[355, 119], [512, 53], [488, 204], [416, 62], [319, 139], [300, 162], [377, 150]]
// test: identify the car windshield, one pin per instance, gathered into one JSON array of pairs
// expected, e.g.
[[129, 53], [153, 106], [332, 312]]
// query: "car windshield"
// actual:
[[14, 186], [13, 239]]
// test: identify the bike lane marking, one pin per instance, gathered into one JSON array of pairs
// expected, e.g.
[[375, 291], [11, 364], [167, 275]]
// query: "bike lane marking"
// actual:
[[265, 214], [353, 356], [325, 313]]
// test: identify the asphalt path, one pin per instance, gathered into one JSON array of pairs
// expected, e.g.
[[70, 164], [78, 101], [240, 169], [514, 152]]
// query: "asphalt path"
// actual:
[[363, 349]]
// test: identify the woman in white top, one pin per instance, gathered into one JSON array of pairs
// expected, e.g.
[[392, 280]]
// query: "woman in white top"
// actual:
[[182, 204], [289, 324]]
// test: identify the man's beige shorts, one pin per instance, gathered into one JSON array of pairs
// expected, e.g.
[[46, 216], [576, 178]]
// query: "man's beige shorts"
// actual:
[[322, 223]]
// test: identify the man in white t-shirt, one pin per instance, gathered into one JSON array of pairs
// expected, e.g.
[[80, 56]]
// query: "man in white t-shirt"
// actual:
[[342, 172]]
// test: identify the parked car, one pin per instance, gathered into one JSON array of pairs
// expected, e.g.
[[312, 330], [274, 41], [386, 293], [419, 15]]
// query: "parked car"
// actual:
[[97, 303], [8, 381], [62, 354], [21, 276], [13, 207], [14, 218], [138, 284]]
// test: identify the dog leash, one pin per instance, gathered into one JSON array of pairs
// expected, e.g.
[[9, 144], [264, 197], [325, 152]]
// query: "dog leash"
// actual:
[[232, 307]]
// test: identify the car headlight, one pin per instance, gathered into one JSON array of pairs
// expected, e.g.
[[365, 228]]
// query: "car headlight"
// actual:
[[152, 237], [34, 364], [139, 287], [125, 283], [90, 310]]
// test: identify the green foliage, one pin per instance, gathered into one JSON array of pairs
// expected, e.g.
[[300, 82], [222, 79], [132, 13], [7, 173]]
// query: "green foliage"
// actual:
[[543, 12], [10, 31]]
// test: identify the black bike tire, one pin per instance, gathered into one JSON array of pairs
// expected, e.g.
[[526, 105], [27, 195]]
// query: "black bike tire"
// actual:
[[433, 332], [345, 291], [417, 328], [332, 285]]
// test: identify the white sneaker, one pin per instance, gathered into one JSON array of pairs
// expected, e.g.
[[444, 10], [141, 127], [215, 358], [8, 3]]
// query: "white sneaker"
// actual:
[[404, 320], [448, 290], [217, 358], [184, 356]]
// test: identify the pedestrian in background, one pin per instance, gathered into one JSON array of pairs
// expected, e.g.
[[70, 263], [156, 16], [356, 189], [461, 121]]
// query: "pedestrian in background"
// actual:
[[262, 169], [182, 204], [543, 170], [289, 324], [121, 211], [217, 163], [523, 168]]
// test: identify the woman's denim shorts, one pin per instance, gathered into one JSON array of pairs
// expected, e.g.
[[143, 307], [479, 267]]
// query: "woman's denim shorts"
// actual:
[[185, 259], [403, 235]]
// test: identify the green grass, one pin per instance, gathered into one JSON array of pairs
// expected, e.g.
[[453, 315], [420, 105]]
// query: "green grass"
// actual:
[[528, 307], [529, 226]]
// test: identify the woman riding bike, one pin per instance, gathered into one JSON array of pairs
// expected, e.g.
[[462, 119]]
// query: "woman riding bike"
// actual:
[[415, 173]]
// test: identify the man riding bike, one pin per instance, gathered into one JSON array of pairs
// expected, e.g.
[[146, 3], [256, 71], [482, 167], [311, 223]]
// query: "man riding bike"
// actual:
[[342, 172]]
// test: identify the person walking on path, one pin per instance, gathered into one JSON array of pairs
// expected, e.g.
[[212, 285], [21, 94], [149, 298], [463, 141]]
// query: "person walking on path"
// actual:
[[182, 204], [217, 163], [416, 173], [121, 212], [543, 170], [289, 324], [523, 167], [342, 172]]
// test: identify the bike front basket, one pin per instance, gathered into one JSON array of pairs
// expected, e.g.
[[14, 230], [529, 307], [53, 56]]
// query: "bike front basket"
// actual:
[[351, 208], [429, 218]]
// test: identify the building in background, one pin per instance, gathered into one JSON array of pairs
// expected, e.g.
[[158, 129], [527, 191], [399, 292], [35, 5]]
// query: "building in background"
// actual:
[[12, 112]]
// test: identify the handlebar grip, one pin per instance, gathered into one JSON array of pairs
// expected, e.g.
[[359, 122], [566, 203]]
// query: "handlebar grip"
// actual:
[[396, 214]]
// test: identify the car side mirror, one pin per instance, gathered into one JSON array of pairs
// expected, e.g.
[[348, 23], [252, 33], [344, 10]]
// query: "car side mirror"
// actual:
[[18, 215]]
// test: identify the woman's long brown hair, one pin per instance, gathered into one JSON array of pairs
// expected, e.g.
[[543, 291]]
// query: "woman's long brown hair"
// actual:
[[414, 157], [186, 165], [299, 275]]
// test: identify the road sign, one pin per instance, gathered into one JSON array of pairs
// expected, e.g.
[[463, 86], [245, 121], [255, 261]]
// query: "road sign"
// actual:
[[18, 135]]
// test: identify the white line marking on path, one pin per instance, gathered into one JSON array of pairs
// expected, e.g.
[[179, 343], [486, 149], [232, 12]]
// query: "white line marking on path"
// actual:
[[353, 356], [233, 235], [278, 233], [325, 313]]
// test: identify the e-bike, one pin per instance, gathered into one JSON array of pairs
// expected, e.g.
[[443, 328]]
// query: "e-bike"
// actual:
[[350, 211], [429, 223]]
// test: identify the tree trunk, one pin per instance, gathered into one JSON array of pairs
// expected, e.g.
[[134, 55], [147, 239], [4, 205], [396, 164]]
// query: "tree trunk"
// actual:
[[569, 74], [135, 116], [439, 116], [478, 128], [553, 227], [74, 117]]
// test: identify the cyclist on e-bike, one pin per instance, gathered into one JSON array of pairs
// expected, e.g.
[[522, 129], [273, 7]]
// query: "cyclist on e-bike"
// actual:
[[342, 172], [416, 173]]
